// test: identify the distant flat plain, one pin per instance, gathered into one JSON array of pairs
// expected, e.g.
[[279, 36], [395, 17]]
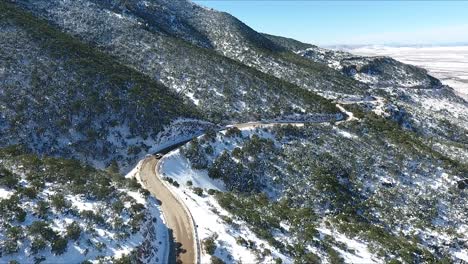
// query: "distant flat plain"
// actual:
[[449, 64]]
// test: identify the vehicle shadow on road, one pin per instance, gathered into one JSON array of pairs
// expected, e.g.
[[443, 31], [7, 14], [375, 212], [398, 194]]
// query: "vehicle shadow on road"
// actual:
[[175, 250], [179, 250], [172, 252]]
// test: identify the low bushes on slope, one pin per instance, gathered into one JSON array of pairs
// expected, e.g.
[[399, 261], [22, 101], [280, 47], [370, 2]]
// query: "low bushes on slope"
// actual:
[[74, 207]]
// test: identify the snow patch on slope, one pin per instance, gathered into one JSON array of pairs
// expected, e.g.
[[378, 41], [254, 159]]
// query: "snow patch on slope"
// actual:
[[175, 166], [207, 214], [5, 194], [358, 251]]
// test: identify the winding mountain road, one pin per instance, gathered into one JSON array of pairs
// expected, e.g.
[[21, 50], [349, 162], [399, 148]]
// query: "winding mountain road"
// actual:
[[176, 214]]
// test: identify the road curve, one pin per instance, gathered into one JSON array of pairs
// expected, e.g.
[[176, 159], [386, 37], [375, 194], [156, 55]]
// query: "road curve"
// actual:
[[177, 218]]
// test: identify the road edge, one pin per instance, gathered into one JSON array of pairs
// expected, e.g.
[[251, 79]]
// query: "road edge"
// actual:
[[163, 216], [197, 244]]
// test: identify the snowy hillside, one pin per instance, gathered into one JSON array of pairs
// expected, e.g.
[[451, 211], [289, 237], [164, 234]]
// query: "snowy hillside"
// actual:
[[59, 211], [215, 225], [449, 64], [412, 97], [389, 202], [375, 71]]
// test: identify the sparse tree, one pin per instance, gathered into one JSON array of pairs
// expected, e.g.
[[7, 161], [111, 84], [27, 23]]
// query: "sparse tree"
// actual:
[[73, 231], [59, 246]]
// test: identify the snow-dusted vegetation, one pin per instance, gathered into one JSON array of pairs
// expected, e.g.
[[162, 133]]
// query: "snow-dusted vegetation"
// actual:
[[148, 38], [222, 237], [62, 98], [373, 171], [60, 211], [362, 191]]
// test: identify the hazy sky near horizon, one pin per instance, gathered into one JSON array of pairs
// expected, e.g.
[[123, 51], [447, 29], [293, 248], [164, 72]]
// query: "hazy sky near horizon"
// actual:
[[354, 22]]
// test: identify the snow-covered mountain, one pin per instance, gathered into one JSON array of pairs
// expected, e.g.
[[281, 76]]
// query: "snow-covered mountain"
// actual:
[[413, 98], [378, 178]]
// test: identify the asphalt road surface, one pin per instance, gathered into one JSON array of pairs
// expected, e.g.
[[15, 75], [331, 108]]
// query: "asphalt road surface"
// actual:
[[176, 216]]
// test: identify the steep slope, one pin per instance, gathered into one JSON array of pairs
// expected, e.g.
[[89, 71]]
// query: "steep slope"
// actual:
[[173, 24], [288, 43], [224, 88], [407, 94], [62, 98], [376, 71], [188, 47], [412, 97], [232, 38]]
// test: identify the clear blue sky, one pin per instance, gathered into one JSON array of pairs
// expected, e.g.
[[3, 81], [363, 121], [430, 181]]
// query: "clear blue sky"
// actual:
[[354, 22]]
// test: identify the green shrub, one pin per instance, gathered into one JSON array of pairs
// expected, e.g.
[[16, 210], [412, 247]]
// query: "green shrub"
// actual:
[[135, 222], [133, 184], [113, 167], [227, 219], [216, 260], [237, 153], [42, 209], [58, 201], [233, 132], [241, 241], [118, 206], [209, 150], [10, 210], [39, 259], [168, 179], [43, 229], [333, 256], [100, 246], [145, 192], [7, 178], [73, 231], [59, 246], [14, 234], [209, 245], [198, 191], [125, 259], [29, 192], [137, 207], [210, 135], [266, 252], [10, 246], [312, 258], [20, 215], [92, 217], [37, 245]]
